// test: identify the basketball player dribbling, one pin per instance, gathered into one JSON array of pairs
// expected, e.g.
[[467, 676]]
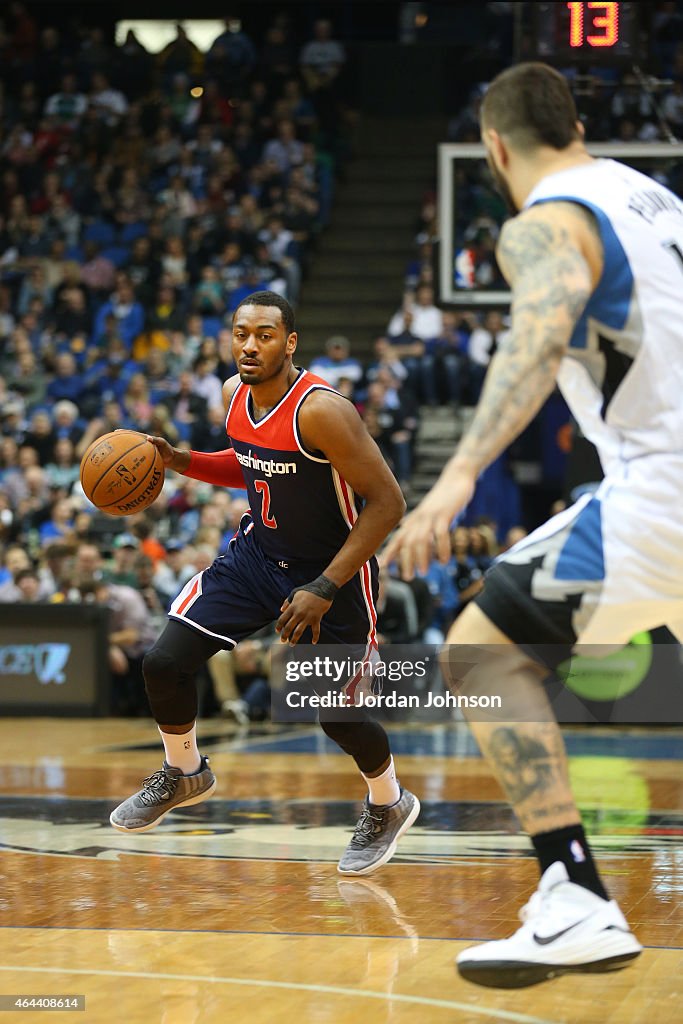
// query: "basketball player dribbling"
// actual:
[[594, 257], [322, 502]]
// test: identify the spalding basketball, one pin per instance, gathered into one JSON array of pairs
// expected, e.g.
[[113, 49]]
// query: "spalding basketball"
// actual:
[[122, 472]]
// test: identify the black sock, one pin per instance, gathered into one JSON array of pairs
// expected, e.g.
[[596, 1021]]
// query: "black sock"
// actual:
[[570, 846]]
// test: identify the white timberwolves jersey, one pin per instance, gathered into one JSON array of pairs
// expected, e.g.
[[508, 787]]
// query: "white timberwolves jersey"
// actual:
[[623, 375]]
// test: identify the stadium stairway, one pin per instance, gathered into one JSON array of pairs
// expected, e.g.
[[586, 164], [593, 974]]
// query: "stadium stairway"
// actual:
[[439, 431], [357, 270]]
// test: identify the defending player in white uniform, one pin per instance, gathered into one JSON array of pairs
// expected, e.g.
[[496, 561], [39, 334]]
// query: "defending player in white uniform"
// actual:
[[594, 257]]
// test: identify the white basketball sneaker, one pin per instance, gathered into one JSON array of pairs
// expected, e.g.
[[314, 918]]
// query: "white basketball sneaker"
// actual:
[[565, 929]]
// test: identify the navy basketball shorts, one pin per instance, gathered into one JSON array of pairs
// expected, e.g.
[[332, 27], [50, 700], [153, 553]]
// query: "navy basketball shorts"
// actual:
[[243, 591]]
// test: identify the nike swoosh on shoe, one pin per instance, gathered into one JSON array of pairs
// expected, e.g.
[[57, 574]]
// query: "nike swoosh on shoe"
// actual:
[[545, 940]]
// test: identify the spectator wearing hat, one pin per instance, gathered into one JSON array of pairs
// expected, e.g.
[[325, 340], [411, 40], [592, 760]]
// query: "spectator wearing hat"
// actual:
[[337, 363], [121, 569], [172, 574]]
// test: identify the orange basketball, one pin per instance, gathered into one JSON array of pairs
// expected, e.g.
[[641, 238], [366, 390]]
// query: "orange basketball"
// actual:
[[122, 472]]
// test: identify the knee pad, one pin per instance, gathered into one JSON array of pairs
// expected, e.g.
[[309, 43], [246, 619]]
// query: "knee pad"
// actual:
[[172, 694], [364, 740], [161, 672], [342, 733]]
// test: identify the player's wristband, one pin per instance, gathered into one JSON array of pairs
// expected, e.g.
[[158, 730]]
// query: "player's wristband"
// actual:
[[322, 587], [219, 468]]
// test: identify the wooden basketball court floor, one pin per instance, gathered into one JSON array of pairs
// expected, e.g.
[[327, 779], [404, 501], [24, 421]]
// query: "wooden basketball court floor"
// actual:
[[233, 910]]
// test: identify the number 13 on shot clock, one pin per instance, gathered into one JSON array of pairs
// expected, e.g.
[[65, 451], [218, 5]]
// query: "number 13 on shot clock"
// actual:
[[603, 29], [595, 33]]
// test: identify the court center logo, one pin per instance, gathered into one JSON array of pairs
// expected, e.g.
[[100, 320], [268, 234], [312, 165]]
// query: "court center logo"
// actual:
[[46, 661], [293, 830]]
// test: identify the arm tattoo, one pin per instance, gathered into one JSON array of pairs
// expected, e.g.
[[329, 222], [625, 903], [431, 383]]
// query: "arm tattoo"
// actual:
[[552, 811], [551, 283]]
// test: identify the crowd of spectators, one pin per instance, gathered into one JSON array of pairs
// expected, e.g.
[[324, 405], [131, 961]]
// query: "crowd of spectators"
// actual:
[[141, 198]]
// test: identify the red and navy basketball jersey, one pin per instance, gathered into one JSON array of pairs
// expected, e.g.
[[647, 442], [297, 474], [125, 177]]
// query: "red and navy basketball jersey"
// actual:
[[302, 508]]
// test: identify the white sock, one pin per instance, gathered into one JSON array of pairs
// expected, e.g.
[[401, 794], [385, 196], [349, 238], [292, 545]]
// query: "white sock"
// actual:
[[384, 789], [181, 750]]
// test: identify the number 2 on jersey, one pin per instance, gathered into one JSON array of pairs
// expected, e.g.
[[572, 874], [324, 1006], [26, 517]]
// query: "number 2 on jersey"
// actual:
[[264, 490]]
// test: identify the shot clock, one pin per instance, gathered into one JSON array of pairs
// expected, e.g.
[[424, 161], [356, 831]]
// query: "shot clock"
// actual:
[[587, 33]]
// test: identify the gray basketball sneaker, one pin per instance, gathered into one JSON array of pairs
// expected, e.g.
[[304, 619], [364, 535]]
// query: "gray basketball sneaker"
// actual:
[[378, 831], [163, 792]]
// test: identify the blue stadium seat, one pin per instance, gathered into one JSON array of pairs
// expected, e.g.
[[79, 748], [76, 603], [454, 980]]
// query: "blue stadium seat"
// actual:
[[74, 252], [130, 232], [211, 326], [100, 232], [118, 254]]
